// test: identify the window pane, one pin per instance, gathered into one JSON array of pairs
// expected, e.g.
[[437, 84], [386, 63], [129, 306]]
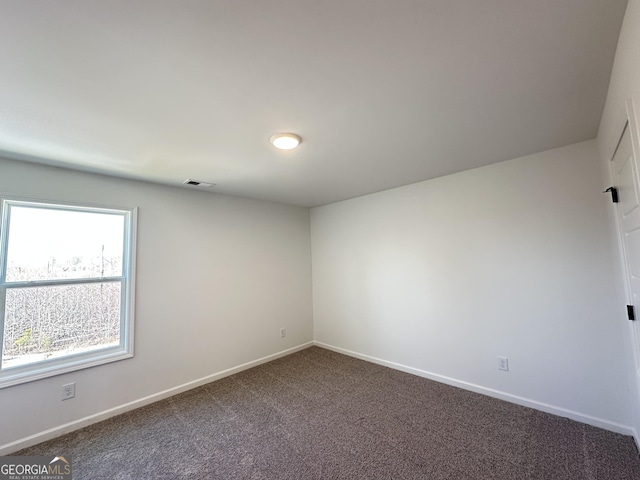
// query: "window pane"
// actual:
[[47, 244], [42, 323]]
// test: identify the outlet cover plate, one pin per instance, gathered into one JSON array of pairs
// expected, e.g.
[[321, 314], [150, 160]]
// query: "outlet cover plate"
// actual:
[[68, 391], [503, 364]]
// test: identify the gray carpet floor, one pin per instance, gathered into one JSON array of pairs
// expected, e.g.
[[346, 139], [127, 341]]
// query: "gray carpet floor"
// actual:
[[317, 414]]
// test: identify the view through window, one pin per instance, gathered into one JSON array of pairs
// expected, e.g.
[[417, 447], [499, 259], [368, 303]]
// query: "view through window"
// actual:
[[65, 288]]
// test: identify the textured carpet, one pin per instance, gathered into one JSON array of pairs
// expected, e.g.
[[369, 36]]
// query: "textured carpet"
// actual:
[[317, 414]]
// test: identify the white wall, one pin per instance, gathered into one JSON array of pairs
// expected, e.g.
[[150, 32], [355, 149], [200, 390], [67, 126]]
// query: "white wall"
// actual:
[[217, 277], [624, 85], [445, 275]]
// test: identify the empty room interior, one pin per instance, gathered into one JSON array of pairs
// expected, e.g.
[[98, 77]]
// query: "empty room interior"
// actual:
[[432, 276]]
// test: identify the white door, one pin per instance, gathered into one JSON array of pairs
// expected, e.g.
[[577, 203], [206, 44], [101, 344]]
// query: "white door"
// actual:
[[627, 183]]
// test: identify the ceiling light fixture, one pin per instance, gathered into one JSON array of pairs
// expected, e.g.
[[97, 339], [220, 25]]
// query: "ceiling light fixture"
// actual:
[[285, 141]]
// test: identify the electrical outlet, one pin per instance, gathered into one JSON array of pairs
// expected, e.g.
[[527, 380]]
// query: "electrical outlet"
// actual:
[[68, 391], [283, 332], [503, 364]]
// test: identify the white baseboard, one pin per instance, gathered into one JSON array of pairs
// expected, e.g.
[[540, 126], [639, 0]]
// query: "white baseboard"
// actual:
[[526, 402], [141, 402]]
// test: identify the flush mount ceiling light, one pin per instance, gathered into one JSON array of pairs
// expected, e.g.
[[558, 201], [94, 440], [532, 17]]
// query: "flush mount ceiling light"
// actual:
[[285, 141]]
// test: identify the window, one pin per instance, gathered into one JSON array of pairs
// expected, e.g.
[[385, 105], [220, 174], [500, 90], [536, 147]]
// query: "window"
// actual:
[[66, 288]]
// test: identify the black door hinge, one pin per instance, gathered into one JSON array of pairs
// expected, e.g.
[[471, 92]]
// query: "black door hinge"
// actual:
[[614, 193], [631, 312]]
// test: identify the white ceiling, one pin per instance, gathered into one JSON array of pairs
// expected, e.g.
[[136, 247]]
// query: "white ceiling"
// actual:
[[383, 92]]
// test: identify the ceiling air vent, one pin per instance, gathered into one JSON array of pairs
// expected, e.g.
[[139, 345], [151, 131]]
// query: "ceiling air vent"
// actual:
[[195, 183]]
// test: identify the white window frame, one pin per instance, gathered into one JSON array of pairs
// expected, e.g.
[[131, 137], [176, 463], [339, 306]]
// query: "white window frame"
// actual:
[[69, 363]]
